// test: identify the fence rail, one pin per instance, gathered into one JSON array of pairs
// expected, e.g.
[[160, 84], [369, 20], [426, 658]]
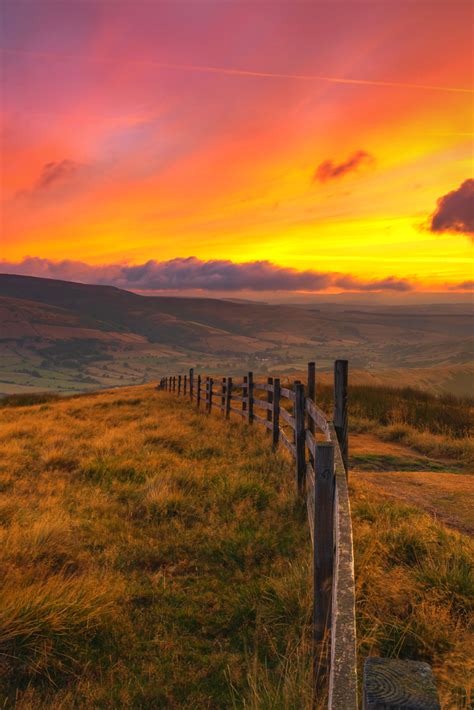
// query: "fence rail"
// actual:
[[320, 450]]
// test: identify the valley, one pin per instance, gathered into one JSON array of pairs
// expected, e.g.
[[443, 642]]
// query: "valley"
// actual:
[[68, 337]]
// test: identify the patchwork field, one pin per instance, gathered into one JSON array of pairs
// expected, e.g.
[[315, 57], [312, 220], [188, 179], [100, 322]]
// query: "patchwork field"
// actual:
[[156, 557]]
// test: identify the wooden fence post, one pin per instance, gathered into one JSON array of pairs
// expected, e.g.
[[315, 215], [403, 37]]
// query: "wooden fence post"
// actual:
[[311, 394], [394, 684], [250, 398], [323, 554], [244, 395], [185, 383], [228, 397], [269, 399], [191, 383], [206, 389], [179, 385], [210, 382], [276, 413], [300, 437], [174, 383], [223, 391], [311, 390], [341, 368], [198, 392]]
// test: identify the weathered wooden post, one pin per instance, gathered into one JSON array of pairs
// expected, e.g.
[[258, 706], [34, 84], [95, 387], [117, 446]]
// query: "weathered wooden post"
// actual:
[[244, 395], [228, 397], [311, 394], [269, 399], [323, 554], [341, 368], [223, 390], [174, 383], [311, 390], [191, 383], [300, 436], [206, 388], [185, 383], [250, 388], [179, 385], [276, 412], [211, 382], [198, 392], [394, 684]]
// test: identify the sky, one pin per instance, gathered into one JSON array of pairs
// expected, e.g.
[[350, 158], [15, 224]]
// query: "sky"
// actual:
[[239, 146]]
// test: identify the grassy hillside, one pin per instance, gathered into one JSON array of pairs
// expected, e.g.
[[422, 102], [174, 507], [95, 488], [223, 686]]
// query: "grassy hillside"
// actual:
[[153, 558], [156, 557]]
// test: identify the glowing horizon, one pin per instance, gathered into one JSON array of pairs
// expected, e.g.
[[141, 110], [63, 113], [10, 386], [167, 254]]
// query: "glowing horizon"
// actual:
[[316, 137]]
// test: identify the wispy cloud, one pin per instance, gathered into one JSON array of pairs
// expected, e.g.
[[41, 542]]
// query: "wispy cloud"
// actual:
[[329, 170], [56, 172], [53, 174], [463, 286], [455, 211], [391, 283], [190, 273]]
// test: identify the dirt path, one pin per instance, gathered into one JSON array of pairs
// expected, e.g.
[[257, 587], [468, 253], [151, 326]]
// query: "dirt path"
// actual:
[[397, 471]]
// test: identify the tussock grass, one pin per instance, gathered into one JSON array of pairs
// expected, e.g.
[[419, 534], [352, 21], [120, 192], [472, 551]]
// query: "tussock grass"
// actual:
[[49, 629]]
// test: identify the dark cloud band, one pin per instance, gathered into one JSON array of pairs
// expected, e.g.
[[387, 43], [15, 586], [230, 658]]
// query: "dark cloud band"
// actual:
[[194, 274]]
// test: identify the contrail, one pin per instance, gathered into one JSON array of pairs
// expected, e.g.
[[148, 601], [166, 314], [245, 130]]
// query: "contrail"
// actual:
[[248, 72], [308, 77]]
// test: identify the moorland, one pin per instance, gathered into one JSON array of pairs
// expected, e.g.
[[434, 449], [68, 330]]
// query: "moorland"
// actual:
[[159, 557]]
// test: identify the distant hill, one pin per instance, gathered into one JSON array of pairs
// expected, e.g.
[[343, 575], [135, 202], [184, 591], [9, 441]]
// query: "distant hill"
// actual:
[[70, 336]]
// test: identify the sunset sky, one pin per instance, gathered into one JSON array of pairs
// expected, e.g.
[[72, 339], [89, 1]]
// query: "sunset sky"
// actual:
[[322, 137]]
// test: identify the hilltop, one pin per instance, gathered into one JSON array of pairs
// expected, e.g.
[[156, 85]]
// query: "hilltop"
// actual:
[[158, 557], [70, 337]]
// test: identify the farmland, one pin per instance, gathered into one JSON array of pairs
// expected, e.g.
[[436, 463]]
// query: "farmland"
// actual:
[[70, 338]]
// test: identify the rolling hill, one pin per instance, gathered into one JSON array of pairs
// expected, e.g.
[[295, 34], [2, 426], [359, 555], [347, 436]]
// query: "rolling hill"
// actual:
[[72, 337]]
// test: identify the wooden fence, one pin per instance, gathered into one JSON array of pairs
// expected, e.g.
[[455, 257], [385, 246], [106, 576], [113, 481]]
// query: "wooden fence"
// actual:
[[319, 448]]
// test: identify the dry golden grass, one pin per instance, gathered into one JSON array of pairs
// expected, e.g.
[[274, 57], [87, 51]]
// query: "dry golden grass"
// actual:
[[153, 557], [156, 557], [415, 589]]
